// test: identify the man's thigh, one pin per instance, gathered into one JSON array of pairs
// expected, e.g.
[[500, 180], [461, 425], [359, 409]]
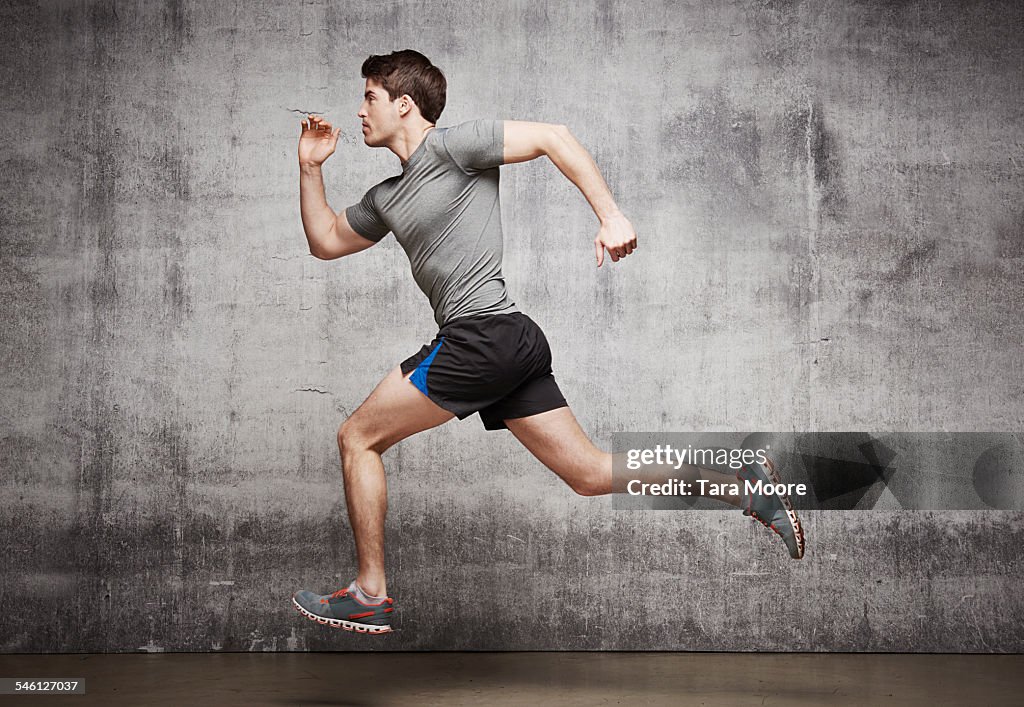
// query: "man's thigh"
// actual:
[[395, 409], [558, 441]]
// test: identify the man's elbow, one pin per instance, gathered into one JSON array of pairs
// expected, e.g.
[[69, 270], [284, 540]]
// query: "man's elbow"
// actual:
[[321, 253], [558, 137], [328, 246]]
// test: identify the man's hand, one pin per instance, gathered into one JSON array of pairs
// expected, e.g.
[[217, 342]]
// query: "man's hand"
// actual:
[[618, 236], [317, 141]]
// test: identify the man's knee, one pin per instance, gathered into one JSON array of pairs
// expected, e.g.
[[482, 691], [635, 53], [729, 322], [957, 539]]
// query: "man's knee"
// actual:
[[589, 478], [354, 437], [590, 484]]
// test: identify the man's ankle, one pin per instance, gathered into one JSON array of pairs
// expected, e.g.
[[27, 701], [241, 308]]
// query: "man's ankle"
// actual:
[[371, 589]]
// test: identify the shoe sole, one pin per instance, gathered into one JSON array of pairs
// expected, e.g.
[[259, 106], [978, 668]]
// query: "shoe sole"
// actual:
[[794, 522], [341, 623]]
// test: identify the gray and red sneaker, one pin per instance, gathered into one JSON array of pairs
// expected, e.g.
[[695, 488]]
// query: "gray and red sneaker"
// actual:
[[343, 609], [774, 511]]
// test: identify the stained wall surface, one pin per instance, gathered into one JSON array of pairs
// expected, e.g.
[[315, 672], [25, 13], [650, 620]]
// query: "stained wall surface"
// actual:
[[828, 202]]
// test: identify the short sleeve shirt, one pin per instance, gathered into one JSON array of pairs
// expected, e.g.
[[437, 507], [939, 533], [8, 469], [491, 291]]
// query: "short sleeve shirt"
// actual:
[[444, 211]]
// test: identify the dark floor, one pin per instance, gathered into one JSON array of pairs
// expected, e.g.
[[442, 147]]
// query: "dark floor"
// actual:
[[526, 678]]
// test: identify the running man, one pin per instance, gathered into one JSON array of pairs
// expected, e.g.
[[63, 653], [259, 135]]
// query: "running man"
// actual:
[[488, 357]]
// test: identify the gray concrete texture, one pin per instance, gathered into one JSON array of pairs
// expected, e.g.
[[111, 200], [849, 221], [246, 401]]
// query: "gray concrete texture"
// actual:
[[828, 202]]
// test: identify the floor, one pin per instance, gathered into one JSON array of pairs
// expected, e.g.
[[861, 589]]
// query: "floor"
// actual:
[[526, 679]]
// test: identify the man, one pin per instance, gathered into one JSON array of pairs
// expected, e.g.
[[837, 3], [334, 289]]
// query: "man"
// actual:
[[487, 357]]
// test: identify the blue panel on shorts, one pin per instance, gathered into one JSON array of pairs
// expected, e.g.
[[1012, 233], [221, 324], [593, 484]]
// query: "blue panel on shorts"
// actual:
[[419, 376]]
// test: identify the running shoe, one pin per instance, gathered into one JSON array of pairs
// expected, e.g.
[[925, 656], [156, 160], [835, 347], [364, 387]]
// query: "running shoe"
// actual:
[[773, 510], [343, 610]]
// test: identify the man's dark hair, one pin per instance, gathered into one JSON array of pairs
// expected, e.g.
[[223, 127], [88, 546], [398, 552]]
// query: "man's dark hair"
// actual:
[[409, 72]]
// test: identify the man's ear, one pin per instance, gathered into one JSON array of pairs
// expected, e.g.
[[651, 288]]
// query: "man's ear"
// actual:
[[405, 104]]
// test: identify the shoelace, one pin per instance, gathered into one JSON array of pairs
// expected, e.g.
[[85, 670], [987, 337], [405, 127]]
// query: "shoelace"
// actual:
[[340, 593]]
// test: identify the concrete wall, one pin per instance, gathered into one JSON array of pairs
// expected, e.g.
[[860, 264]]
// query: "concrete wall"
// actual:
[[828, 200]]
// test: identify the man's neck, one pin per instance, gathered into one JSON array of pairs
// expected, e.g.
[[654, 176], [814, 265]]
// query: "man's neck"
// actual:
[[406, 142]]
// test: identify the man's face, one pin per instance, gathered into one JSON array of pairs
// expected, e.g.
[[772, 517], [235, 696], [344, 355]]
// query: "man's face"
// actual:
[[379, 115]]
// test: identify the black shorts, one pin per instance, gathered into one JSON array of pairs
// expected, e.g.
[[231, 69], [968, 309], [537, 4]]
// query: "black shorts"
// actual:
[[496, 364]]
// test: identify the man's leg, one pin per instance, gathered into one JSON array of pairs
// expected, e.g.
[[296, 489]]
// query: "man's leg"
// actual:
[[395, 409], [558, 441]]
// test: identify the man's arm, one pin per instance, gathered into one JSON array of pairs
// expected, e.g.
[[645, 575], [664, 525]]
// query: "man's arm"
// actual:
[[526, 141], [329, 235]]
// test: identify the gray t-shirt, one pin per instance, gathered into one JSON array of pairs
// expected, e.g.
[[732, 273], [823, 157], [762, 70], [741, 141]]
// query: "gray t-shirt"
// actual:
[[444, 211]]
